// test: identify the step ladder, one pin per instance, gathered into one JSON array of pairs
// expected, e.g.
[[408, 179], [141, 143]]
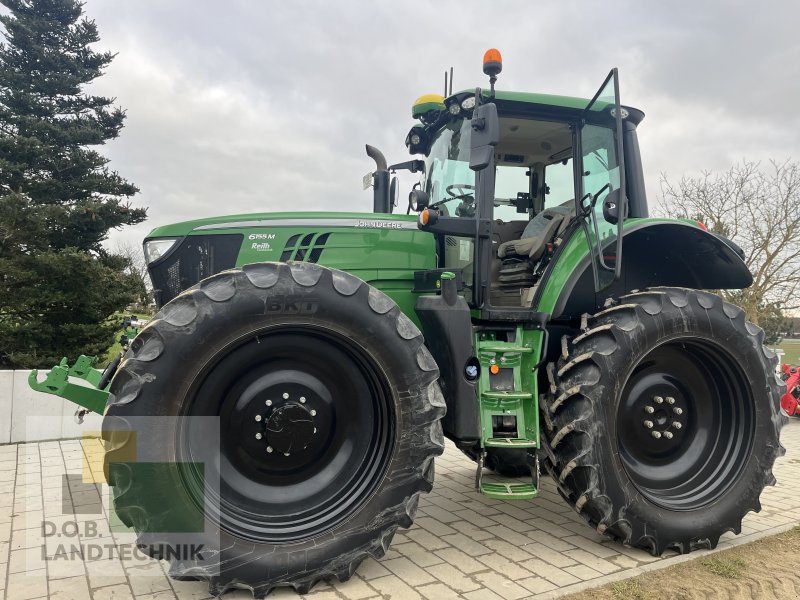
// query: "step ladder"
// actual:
[[508, 407]]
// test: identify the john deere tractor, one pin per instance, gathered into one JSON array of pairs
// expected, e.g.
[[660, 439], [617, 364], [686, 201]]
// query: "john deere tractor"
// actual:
[[531, 311]]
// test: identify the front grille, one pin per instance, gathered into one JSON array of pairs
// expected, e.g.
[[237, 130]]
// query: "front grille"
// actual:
[[195, 258]]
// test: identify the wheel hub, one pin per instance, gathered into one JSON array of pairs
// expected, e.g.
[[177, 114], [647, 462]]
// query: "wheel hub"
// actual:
[[288, 428], [664, 417]]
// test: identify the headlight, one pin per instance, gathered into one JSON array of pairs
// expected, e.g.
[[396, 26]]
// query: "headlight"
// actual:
[[155, 249]]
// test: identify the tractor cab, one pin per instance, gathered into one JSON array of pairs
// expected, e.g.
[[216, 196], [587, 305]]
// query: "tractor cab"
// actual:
[[509, 176]]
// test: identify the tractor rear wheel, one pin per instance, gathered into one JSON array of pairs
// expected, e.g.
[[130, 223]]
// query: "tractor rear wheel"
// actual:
[[324, 409], [663, 418]]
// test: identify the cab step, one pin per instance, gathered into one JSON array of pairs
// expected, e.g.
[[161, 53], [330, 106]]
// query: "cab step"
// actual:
[[510, 443], [507, 490]]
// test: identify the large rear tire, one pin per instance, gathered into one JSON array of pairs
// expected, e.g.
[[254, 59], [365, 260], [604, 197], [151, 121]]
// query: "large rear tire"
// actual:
[[662, 420], [328, 413]]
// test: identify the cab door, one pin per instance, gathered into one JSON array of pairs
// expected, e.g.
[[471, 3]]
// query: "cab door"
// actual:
[[600, 179]]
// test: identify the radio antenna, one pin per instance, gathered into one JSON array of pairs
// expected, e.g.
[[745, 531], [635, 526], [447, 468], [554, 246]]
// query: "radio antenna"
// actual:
[[451, 82], [445, 84]]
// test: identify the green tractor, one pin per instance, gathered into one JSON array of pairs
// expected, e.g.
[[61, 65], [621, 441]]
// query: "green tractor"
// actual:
[[532, 312]]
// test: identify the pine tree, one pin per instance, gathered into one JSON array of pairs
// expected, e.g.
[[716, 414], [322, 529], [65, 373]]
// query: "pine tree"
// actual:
[[58, 197]]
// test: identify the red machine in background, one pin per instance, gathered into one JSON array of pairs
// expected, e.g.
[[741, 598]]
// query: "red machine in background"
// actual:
[[791, 399]]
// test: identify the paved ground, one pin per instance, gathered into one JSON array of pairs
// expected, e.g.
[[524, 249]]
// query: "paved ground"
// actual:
[[462, 545]]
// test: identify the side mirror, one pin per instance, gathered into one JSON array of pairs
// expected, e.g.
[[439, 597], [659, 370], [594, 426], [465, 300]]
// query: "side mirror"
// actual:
[[418, 200], [614, 205], [394, 193], [485, 135]]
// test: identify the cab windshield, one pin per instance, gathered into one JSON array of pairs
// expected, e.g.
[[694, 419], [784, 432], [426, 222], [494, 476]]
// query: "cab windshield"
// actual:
[[449, 182]]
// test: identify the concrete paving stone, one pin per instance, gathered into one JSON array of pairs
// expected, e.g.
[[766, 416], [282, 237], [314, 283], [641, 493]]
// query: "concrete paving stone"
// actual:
[[372, 569], [624, 562], [147, 579], [476, 518], [463, 562], [482, 594], [74, 588], [437, 591], [508, 551], [26, 538], [426, 539], [502, 586], [4, 552], [599, 550], [354, 589], [437, 528], [583, 572], [466, 545], [453, 578], [408, 571], [537, 585], [504, 566], [26, 586], [474, 533], [514, 524], [5, 532], [394, 588], [27, 559], [440, 514], [117, 592], [590, 560], [553, 574], [27, 520], [189, 590], [418, 555]]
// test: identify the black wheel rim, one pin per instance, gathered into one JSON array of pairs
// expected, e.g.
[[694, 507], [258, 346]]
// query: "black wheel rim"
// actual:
[[685, 423], [306, 431]]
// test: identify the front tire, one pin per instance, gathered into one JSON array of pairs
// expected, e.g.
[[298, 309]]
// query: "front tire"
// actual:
[[662, 420], [327, 407]]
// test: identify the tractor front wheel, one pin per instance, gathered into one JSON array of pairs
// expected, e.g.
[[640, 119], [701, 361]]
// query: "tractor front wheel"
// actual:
[[663, 418], [283, 418]]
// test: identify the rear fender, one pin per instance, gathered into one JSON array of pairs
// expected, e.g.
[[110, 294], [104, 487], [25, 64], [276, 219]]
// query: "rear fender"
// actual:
[[657, 253]]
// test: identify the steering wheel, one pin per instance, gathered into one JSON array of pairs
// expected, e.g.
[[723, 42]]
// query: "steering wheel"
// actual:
[[464, 191]]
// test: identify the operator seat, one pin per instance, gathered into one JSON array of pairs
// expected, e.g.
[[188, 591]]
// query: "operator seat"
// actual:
[[519, 257]]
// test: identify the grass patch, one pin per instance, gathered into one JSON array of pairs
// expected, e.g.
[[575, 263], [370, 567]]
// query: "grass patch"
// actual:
[[630, 589], [792, 349], [729, 568]]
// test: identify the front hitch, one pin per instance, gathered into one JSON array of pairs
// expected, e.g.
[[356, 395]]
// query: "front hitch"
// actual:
[[57, 383]]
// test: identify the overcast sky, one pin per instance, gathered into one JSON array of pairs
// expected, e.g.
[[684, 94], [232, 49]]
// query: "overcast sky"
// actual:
[[244, 106]]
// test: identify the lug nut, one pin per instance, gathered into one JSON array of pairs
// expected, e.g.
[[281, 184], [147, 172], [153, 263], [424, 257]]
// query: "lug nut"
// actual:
[[676, 424], [269, 403], [648, 424], [302, 399], [258, 436], [313, 413], [649, 409], [258, 417], [678, 410], [668, 435], [286, 454], [658, 400], [670, 400], [269, 449], [285, 396], [657, 434]]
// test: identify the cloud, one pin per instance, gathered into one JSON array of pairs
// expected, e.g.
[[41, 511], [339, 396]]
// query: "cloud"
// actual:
[[244, 106]]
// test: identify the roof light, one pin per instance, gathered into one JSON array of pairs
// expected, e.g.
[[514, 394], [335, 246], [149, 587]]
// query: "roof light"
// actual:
[[492, 62], [468, 103], [454, 108]]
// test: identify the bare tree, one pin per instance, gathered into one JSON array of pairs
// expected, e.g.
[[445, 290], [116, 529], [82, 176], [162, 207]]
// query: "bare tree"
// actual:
[[137, 266], [759, 209]]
